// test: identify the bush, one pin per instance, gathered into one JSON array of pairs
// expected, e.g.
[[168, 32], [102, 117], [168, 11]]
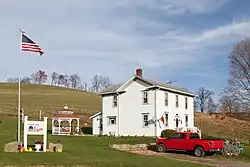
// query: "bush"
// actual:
[[209, 137], [167, 132]]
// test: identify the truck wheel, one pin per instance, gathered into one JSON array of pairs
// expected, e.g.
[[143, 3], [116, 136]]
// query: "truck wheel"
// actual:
[[161, 148], [199, 152]]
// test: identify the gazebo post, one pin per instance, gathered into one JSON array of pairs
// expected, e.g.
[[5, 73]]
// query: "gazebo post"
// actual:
[[52, 126], [59, 124], [69, 121], [78, 125]]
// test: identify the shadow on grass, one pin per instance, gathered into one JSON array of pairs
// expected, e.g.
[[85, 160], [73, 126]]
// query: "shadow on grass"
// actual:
[[154, 149]]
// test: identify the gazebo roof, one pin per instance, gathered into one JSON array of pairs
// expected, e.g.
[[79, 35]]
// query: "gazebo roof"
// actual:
[[65, 113]]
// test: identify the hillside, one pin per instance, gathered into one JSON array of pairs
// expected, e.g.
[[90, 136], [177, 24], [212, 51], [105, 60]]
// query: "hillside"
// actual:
[[51, 98], [223, 126], [46, 98]]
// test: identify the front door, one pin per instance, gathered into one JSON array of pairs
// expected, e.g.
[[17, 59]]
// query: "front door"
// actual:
[[176, 122]]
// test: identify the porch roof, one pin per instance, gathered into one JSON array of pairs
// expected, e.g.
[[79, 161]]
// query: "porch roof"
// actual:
[[95, 115]]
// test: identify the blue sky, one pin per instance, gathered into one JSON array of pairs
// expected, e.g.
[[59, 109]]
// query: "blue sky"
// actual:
[[184, 40]]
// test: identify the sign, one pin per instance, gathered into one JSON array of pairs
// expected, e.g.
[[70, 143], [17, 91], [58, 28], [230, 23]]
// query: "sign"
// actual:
[[35, 127]]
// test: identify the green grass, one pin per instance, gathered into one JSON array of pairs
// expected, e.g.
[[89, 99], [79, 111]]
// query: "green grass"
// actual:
[[47, 98], [92, 151]]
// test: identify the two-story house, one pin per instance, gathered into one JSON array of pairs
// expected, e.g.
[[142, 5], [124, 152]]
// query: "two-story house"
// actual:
[[144, 108]]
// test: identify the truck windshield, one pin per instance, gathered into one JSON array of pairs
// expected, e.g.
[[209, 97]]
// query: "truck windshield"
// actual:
[[194, 136]]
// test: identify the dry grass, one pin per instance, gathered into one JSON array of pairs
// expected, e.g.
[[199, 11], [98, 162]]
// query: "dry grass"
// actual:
[[51, 98], [46, 98], [223, 126]]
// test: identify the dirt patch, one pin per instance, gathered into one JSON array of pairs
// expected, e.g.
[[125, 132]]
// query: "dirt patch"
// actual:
[[187, 158]]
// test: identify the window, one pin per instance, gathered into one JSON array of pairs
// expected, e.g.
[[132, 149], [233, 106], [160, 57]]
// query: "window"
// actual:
[[176, 101], [178, 136], [145, 120], [111, 120], [182, 136], [166, 99], [186, 103], [166, 116], [186, 120], [194, 136], [114, 101], [145, 97]]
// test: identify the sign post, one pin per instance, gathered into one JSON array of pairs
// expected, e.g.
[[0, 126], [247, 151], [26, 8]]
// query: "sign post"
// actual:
[[35, 128]]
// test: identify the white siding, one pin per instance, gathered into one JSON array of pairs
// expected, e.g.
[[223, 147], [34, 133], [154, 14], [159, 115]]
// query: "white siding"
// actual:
[[172, 110], [108, 110], [96, 125], [131, 110]]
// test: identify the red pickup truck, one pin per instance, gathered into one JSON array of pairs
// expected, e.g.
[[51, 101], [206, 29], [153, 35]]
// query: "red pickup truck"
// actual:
[[189, 142]]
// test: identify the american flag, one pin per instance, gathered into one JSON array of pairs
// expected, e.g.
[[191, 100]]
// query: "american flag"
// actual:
[[29, 45]]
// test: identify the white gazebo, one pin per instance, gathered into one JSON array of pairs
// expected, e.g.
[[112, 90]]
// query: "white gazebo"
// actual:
[[62, 122]]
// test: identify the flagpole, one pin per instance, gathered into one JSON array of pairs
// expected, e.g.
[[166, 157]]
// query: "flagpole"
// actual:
[[19, 101], [19, 108]]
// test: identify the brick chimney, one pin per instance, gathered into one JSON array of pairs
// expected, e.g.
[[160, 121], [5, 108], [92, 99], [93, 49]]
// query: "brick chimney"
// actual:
[[139, 72]]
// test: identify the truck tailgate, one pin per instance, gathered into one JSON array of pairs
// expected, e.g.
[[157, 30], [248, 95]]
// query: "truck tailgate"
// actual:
[[216, 143]]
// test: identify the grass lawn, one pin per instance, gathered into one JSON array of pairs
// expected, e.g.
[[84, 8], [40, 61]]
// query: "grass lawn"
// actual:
[[84, 151]]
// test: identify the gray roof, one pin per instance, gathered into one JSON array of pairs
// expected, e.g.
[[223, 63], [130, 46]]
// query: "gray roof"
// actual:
[[168, 86], [114, 88], [111, 89]]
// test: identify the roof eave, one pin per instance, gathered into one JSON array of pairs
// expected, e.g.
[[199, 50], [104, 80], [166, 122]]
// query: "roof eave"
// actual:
[[95, 115], [107, 93], [164, 88], [131, 79]]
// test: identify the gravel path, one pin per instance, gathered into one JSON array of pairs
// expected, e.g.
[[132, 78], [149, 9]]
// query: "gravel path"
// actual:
[[204, 160]]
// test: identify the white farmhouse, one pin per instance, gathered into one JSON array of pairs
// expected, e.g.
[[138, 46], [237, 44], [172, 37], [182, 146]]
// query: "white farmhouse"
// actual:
[[143, 107]]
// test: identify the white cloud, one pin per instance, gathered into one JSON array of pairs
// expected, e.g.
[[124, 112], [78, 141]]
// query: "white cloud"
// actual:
[[224, 34], [99, 36]]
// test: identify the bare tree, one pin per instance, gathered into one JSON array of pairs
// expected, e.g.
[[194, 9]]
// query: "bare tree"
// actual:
[[105, 82], [75, 81], [26, 80], [85, 86], [61, 79], [239, 71], [54, 78], [202, 97], [96, 83], [39, 77], [99, 83], [211, 106], [195, 105], [228, 102], [14, 80], [66, 81]]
